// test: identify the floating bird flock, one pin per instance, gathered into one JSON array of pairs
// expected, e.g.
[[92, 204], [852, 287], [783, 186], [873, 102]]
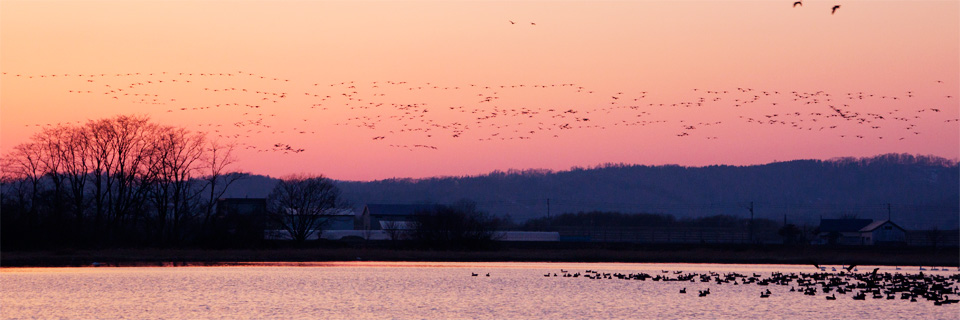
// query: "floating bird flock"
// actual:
[[936, 288]]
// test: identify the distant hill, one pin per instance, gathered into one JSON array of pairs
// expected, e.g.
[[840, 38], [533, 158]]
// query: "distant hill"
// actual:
[[922, 191]]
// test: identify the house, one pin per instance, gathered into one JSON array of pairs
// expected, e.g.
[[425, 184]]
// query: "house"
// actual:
[[332, 225], [842, 231], [340, 219], [238, 220], [882, 232], [390, 216]]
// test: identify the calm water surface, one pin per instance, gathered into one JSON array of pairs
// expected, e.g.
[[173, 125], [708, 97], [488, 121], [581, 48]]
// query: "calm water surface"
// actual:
[[407, 290]]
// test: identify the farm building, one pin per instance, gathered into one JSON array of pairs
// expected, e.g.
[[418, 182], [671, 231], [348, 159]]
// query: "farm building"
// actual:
[[860, 232], [841, 231], [331, 224], [882, 232], [389, 216]]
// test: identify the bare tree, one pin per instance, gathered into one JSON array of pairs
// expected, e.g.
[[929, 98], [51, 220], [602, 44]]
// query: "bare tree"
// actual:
[[25, 165], [124, 178], [133, 178], [175, 158], [101, 159], [76, 168], [215, 162], [300, 203], [395, 230], [52, 143]]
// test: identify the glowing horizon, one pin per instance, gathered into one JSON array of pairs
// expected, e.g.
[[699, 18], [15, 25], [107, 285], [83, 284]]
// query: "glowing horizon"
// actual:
[[420, 89]]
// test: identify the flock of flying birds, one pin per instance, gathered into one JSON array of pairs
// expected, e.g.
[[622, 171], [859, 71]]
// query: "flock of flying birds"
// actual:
[[249, 106]]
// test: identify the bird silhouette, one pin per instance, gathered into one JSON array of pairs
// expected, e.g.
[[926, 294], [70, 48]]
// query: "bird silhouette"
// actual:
[[798, 3], [834, 10]]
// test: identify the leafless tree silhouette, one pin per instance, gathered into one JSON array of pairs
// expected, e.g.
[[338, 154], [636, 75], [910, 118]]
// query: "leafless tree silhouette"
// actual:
[[300, 204]]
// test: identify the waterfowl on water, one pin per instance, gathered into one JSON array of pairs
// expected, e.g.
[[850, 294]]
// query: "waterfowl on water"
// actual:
[[934, 288]]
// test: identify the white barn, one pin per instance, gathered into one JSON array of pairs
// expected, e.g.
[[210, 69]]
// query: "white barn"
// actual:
[[882, 232]]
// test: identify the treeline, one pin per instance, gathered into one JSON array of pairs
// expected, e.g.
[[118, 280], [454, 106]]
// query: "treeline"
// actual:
[[603, 219], [924, 190], [456, 226], [116, 181], [634, 224]]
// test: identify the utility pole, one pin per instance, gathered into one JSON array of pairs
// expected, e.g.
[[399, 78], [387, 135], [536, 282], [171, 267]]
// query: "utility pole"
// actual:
[[548, 207], [751, 221]]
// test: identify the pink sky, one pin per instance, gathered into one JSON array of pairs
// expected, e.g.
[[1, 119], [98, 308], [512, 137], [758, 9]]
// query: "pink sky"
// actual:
[[393, 53]]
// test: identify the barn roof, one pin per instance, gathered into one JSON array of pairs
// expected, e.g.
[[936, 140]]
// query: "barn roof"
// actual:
[[877, 224], [843, 225], [398, 209], [340, 212]]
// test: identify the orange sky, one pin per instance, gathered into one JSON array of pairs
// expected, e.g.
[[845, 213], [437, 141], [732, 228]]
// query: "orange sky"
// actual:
[[582, 86]]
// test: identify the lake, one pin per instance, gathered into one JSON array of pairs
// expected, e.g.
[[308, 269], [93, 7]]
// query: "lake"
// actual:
[[408, 290]]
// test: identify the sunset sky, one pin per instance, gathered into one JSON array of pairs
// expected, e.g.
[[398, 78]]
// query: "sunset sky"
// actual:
[[381, 89]]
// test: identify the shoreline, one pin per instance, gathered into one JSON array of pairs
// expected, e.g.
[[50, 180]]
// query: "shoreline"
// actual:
[[530, 252]]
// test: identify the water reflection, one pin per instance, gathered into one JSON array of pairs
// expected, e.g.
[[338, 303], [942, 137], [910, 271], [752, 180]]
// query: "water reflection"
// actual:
[[431, 290]]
